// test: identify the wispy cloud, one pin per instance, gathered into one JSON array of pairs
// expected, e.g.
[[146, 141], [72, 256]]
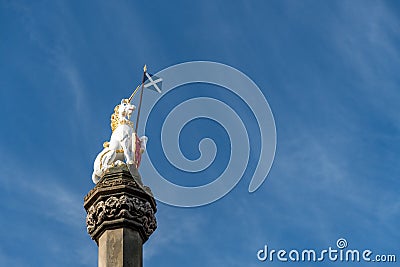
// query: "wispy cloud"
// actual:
[[7, 260], [73, 79], [173, 231], [365, 38], [52, 197], [41, 198], [55, 42]]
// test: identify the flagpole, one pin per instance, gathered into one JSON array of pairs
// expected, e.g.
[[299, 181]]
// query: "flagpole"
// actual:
[[133, 94], [141, 97]]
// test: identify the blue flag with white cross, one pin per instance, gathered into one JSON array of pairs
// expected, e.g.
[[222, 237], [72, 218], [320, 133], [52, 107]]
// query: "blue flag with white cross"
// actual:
[[153, 82]]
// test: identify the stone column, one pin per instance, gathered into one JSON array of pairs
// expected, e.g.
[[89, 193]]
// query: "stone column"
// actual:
[[120, 218]]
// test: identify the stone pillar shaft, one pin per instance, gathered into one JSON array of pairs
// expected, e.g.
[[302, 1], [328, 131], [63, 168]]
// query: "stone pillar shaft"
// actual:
[[120, 247]]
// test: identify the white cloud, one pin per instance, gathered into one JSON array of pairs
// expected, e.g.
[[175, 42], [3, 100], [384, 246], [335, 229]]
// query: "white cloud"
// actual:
[[365, 40], [46, 212], [52, 198], [7, 260], [173, 231]]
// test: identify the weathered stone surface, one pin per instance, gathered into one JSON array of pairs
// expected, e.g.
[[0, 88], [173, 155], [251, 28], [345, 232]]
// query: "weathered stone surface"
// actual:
[[120, 201], [120, 247]]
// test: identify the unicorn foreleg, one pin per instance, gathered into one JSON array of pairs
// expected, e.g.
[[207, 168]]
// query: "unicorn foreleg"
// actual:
[[101, 163], [107, 160]]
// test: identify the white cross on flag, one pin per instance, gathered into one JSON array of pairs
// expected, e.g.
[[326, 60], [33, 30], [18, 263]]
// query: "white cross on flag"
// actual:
[[153, 83]]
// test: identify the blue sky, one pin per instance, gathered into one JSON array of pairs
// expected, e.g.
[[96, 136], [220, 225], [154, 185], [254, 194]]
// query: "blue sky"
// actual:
[[329, 70]]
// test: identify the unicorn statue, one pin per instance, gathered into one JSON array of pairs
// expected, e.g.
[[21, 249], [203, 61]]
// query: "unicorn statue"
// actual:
[[124, 147]]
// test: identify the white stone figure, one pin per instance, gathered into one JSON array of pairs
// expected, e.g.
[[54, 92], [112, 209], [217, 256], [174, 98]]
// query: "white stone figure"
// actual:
[[124, 146]]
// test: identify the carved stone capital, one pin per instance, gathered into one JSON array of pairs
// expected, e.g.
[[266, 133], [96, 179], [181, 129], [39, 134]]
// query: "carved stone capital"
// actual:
[[120, 200]]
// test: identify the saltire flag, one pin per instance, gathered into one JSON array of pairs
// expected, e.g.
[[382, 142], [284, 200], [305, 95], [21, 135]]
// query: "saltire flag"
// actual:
[[153, 82]]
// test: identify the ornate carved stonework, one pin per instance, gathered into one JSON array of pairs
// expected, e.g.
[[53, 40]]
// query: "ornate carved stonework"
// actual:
[[131, 208], [119, 200]]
